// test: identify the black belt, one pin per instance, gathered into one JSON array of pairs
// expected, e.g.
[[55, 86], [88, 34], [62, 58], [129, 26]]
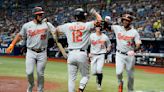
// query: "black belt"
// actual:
[[37, 50], [99, 54], [78, 49], [122, 52]]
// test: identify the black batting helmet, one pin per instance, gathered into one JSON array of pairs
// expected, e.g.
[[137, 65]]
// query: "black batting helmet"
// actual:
[[127, 17], [37, 10], [80, 14]]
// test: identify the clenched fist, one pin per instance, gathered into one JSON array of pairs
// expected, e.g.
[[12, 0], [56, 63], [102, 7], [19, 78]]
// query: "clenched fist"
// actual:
[[10, 49]]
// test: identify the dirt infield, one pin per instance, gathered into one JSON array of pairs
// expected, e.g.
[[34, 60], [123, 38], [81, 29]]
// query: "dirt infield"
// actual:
[[17, 84]]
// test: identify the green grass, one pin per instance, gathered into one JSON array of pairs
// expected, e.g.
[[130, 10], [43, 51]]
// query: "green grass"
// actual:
[[57, 72]]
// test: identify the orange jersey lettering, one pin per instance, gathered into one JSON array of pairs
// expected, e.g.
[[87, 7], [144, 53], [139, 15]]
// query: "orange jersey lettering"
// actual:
[[123, 37], [36, 32], [98, 42], [76, 27]]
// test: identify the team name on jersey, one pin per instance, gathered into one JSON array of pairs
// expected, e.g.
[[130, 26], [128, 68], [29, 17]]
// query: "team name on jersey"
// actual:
[[123, 37], [36, 32], [97, 42], [76, 27]]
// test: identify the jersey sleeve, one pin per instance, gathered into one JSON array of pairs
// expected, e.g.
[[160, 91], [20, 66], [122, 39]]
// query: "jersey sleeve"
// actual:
[[108, 42], [114, 28], [137, 38], [63, 28], [23, 31], [90, 25], [90, 37], [52, 28]]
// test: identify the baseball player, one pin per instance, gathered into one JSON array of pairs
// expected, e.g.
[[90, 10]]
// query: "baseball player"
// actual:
[[100, 45], [77, 34], [36, 34], [128, 41]]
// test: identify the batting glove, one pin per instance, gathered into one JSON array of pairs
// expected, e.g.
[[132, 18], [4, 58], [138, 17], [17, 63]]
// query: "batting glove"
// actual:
[[10, 49]]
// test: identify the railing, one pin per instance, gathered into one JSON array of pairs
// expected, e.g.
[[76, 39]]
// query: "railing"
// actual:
[[150, 59]]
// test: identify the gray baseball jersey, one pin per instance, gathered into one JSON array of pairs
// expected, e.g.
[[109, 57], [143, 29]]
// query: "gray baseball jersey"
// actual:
[[77, 34], [125, 39], [36, 34], [99, 44]]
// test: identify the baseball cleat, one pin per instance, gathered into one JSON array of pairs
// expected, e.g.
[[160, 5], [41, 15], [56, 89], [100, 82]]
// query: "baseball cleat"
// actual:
[[120, 87], [99, 87], [80, 90]]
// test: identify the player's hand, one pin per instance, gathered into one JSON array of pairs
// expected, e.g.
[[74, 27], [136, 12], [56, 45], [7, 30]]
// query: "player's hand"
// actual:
[[10, 49], [131, 53]]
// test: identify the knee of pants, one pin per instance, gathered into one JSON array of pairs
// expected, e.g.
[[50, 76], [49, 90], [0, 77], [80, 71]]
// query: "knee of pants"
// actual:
[[130, 76], [130, 73], [40, 72], [119, 71], [99, 71], [93, 72], [86, 77], [29, 72]]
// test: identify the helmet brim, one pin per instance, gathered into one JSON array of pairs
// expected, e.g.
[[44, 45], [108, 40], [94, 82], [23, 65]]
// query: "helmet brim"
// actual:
[[40, 12], [124, 18]]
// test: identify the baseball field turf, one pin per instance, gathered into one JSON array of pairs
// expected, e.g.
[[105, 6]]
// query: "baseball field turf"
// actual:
[[56, 73]]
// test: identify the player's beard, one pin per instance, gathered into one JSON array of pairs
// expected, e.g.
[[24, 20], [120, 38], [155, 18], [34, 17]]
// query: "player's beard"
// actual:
[[127, 26], [39, 21], [126, 23]]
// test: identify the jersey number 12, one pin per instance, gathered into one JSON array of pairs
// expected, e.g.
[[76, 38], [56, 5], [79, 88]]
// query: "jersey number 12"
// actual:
[[77, 36]]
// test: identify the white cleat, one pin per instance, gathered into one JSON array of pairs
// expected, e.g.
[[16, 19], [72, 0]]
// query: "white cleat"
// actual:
[[99, 87]]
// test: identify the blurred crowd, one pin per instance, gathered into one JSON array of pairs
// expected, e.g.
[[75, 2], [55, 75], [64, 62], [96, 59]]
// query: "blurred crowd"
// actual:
[[148, 14]]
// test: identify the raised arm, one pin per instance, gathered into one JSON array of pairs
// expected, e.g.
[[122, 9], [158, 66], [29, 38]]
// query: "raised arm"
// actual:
[[97, 15]]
